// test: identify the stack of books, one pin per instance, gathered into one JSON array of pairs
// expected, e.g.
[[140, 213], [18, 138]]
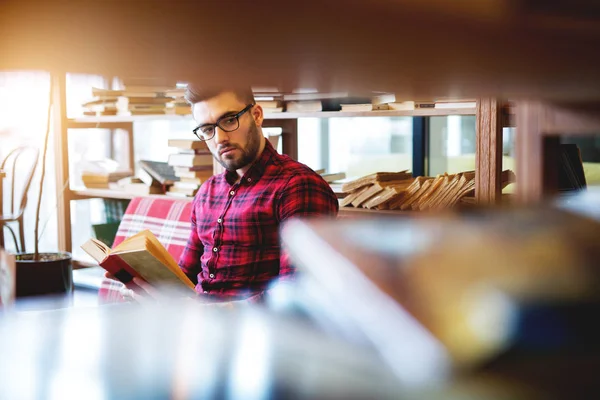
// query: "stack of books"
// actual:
[[400, 191], [435, 104], [270, 99], [193, 164], [178, 105], [136, 100], [101, 104]]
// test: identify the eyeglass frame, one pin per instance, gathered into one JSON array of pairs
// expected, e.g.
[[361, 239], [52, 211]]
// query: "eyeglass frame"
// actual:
[[216, 124]]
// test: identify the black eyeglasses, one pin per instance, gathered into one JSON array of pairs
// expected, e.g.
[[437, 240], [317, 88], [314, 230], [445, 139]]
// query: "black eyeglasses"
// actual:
[[227, 123]]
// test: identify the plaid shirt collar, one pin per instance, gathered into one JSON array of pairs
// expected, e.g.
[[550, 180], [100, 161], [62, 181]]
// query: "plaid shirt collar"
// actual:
[[256, 171]]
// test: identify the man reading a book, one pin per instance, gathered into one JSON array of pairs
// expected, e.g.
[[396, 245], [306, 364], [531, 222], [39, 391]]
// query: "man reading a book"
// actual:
[[234, 249]]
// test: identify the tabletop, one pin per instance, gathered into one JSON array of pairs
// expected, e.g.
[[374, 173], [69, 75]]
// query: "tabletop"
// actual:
[[183, 351]]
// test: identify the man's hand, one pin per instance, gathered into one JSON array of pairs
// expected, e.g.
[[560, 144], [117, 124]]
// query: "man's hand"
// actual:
[[138, 290]]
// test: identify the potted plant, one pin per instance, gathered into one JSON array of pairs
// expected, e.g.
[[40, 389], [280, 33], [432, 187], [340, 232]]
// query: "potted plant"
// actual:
[[43, 273]]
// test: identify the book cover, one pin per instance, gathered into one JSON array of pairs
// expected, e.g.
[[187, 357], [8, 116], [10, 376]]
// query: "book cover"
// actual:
[[140, 255], [190, 160], [188, 144]]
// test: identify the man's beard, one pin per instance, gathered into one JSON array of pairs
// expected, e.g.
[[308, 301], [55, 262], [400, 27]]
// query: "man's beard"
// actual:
[[249, 153]]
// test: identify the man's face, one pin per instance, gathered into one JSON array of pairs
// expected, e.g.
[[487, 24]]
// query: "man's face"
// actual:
[[233, 150]]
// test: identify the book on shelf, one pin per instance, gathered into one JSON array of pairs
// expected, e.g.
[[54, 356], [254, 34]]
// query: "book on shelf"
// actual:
[[190, 160], [571, 175], [179, 109], [356, 107], [424, 104], [100, 177], [269, 103], [89, 113], [191, 184], [311, 96], [101, 100], [143, 256], [183, 191], [126, 93], [194, 180], [333, 176], [304, 106], [382, 98], [402, 106], [126, 101], [273, 110], [158, 170], [455, 104], [188, 144], [137, 186], [199, 172]]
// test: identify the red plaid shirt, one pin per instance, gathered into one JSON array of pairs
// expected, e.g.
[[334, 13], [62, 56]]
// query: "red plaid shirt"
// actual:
[[234, 248]]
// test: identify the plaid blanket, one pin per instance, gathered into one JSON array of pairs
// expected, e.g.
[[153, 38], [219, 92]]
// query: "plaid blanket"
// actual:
[[167, 219]]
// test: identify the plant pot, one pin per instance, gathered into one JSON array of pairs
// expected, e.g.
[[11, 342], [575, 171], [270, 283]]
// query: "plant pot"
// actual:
[[51, 274]]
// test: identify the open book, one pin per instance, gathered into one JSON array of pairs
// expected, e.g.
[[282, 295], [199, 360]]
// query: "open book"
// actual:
[[140, 255]]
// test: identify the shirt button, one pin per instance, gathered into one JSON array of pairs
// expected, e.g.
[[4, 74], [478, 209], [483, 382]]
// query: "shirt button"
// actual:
[[212, 275], [215, 249], [219, 220], [249, 179], [232, 192]]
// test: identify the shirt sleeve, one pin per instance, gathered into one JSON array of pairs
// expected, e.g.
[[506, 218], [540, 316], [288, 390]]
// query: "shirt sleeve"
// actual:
[[305, 195], [189, 262]]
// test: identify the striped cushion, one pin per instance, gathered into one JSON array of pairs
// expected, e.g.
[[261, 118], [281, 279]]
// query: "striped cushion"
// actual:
[[167, 219]]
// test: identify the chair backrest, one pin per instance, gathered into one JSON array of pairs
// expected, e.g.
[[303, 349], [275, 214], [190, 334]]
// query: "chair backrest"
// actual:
[[19, 165], [167, 219]]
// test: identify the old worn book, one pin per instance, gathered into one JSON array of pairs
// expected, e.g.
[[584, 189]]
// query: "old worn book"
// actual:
[[190, 160], [188, 144], [140, 255], [333, 176]]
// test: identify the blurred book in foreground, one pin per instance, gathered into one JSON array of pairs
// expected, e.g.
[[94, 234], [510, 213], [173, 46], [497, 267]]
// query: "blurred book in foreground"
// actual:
[[455, 290]]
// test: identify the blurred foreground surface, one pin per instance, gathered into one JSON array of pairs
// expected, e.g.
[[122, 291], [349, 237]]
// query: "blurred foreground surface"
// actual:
[[179, 351], [417, 49], [508, 294]]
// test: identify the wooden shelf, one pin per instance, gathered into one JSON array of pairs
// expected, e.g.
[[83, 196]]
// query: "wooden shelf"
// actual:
[[83, 193], [422, 112], [114, 119]]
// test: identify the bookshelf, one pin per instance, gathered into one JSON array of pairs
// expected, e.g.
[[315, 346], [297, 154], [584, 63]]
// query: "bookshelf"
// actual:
[[287, 121], [423, 112]]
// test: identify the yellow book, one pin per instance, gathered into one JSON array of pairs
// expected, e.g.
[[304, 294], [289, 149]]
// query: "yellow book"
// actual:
[[140, 255]]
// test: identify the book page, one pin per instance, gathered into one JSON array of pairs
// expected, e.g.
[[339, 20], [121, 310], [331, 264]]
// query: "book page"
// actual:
[[96, 249], [153, 271]]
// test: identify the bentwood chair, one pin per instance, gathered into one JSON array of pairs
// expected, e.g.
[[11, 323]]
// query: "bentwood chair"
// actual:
[[19, 167]]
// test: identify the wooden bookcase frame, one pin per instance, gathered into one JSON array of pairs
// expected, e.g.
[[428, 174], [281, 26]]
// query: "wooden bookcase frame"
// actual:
[[488, 154]]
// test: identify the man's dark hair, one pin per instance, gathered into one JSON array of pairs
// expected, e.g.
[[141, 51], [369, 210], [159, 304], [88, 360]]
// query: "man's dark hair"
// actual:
[[196, 94]]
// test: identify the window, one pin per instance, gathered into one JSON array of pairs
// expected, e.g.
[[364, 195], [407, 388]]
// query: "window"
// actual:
[[357, 146]]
